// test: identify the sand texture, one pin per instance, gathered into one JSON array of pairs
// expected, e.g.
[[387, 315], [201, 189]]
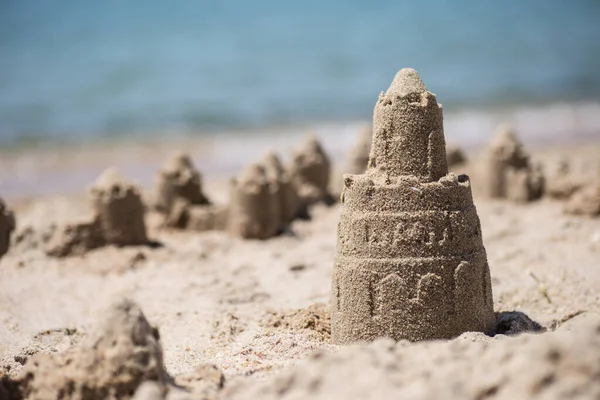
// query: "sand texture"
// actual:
[[255, 309]]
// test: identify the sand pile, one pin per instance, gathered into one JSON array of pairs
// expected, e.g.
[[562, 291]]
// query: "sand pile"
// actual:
[[557, 365], [509, 173], [410, 260], [289, 202], [118, 219], [254, 209], [7, 226], [121, 353], [310, 170], [358, 156]]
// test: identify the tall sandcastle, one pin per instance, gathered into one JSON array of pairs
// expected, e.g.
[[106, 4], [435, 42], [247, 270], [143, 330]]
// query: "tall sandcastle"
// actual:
[[410, 261]]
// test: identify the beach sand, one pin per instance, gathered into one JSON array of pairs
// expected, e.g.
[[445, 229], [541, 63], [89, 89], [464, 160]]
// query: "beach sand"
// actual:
[[256, 309]]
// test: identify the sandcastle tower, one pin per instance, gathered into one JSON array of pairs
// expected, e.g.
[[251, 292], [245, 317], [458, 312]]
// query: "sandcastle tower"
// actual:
[[358, 156], [310, 171], [254, 205], [118, 210], [509, 172], [288, 198], [179, 179], [410, 260], [7, 226]]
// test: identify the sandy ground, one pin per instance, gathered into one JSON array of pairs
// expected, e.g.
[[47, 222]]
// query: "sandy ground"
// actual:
[[234, 303]]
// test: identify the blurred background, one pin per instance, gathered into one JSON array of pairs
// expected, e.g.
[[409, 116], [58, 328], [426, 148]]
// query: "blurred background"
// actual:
[[89, 73]]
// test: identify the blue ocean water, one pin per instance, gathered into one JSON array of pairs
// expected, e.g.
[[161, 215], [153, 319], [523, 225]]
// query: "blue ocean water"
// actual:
[[79, 70]]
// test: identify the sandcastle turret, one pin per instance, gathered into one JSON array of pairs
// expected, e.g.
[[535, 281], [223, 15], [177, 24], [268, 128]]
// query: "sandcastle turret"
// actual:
[[7, 226], [118, 210], [358, 156], [410, 261], [509, 172], [289, 203], [254, 205], [179, 179], [310, 171]]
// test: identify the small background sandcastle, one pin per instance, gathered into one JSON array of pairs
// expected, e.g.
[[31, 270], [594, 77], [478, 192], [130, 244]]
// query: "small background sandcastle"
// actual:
[[263, 199], [118, 219], [181, 200], [410, 260], [508, 172]]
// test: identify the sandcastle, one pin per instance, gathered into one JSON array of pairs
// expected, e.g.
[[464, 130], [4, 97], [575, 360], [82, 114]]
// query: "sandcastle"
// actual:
[[509, 172], [254, 211], [7, 226], [118, 219], [410, 261], [358, 156], [310, 171], [179, 179], [289, 203]]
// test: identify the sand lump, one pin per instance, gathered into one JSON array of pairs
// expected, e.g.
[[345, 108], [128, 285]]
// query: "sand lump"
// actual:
[[7, 226], [585, 201], [509, 172], [310, 170], [410, 261], [118, 219]]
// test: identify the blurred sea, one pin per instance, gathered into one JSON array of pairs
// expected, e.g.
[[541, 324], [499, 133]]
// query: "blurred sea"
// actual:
[[80, 70]]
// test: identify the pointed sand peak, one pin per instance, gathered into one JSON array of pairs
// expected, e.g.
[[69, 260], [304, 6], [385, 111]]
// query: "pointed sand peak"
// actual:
[[406, 81]]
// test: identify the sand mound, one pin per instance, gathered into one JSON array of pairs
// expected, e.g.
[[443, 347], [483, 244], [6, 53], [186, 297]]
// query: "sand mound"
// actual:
[[7, 226], [410, 260], [585, 201], [122, 352], [562, 364]]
